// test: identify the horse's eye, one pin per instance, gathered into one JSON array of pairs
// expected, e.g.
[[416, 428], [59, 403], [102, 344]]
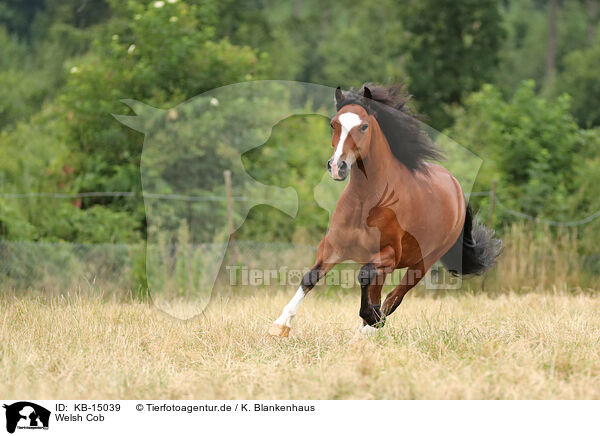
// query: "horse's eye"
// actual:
[[331, 125], [364, 127]]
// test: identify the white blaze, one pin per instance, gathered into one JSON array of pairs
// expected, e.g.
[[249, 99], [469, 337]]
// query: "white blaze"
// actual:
[[348, 120]]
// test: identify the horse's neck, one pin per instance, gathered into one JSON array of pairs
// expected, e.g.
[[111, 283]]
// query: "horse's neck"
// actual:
[[370, 180]]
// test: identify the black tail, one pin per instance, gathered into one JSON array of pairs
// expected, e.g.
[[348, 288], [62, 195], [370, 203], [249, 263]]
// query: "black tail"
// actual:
[[475, 251]]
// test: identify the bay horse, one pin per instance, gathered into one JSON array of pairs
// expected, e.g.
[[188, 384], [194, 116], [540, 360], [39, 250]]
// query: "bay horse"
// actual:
[[397, 210]]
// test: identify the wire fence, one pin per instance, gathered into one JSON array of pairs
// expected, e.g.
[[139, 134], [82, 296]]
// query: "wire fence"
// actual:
[[180, 266], [518, 214], [222, 198], [191, 198]]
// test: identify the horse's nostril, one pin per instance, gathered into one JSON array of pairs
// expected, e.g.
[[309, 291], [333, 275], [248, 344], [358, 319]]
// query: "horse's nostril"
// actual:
[[343, 165], [329, 164]]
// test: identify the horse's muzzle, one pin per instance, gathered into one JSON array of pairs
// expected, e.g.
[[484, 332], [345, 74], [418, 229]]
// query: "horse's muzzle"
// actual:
[[339, 171]]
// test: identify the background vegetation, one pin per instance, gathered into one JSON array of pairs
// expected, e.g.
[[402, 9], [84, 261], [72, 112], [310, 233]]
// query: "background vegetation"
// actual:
[[515, 81]]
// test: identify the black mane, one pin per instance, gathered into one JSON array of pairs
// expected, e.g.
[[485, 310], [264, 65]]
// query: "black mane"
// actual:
[[401, 127]]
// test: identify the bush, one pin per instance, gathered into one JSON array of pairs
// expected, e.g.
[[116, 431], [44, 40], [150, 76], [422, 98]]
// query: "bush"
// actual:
[[531, 144]]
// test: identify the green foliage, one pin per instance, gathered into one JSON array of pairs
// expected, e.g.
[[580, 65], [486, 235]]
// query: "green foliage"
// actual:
[[581, 80], [365, 46], [523, 54], [587, 174], [311, 41], [163, 55], [295, 156], [33, 160], [18, 15], [530, 144], [20, 92], [65, 67], [453, 49]]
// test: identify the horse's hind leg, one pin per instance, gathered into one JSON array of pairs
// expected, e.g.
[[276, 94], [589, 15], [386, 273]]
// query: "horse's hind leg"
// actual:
[[324, 263], [411, 278]]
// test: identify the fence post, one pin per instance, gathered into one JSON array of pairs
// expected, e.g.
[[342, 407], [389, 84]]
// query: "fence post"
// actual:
[[492, 204], [227, 175], [233, 253]]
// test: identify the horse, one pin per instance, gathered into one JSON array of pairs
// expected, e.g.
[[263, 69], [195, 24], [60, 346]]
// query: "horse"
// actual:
[[397, 210]]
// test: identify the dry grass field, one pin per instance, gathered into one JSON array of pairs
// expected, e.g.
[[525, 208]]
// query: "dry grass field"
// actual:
[[463, 346]]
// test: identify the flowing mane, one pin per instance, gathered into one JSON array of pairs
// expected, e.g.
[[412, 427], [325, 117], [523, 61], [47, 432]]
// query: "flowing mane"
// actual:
[[408, 143]]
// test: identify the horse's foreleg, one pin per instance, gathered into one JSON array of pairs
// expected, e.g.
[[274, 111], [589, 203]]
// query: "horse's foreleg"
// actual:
[[371, 278], [370, 303], [375, 292], [324, 263], [411, 278]]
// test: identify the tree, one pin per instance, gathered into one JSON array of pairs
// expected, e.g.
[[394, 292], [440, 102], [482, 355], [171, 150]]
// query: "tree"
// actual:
[[592, 20], [551, 45], [581, 80], [362, 43], [531, 144], [163, 53], [531, 50], [453, 49]]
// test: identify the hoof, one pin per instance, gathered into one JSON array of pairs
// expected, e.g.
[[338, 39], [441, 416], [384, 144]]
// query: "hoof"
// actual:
[[373, 316], [281, 331], [368, 330], [362, 333]]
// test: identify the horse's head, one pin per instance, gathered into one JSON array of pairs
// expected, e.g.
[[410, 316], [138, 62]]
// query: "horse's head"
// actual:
[[351, 134]]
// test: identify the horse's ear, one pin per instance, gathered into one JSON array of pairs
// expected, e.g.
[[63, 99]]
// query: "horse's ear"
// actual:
[[339, 96], [367, 93]]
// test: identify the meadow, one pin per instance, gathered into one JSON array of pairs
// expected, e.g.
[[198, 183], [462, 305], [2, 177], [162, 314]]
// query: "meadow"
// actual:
[[456, 345], [87, 225]]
